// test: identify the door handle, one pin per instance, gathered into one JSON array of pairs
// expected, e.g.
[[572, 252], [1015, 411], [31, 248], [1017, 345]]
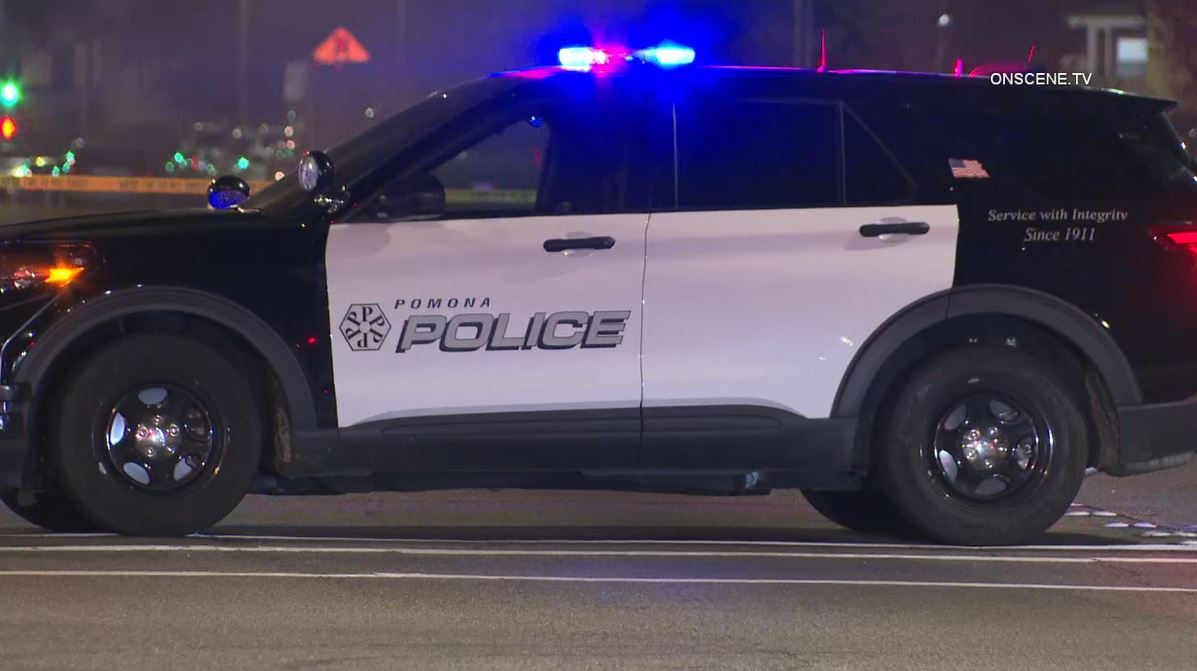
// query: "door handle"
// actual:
[[563, 244], [905, 228]]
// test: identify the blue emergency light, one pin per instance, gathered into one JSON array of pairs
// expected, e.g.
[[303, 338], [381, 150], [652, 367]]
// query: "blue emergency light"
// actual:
[[666, 55]]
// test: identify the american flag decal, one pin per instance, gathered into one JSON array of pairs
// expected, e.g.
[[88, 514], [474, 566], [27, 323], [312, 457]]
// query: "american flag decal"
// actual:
[[967, 168]]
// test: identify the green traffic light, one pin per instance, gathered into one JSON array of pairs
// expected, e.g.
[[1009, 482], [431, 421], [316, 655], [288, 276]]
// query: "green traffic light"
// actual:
[[10, 93], [242, 163]]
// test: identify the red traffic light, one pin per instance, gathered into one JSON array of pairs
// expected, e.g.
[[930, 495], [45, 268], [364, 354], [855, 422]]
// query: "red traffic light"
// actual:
[[8, 128]]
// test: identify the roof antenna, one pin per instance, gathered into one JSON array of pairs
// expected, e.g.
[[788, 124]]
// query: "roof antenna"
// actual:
[[822, 52], [959, 67], [1031, 55]]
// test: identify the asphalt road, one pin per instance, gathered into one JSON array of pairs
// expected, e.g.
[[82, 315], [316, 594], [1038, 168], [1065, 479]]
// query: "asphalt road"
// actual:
[[579, 580]]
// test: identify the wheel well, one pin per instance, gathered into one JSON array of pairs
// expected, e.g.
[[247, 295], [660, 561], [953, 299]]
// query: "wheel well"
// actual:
[[266, 386], [994, 329]]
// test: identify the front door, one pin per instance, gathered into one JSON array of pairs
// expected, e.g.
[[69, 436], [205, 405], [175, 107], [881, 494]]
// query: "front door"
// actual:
[[489, 308]]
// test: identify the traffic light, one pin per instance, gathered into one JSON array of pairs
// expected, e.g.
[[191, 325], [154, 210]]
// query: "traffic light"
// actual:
[[10, 94]]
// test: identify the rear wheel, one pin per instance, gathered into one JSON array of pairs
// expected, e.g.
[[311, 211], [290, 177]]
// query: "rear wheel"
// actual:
[[156, 435], [52, 512], [982, 446]]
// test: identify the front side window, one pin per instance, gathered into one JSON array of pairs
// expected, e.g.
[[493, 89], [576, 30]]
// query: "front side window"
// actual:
[[548, 160], [499, 176]]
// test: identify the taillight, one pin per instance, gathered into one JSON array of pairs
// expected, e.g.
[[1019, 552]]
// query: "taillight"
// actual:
[[27, 266], [1179, 237]]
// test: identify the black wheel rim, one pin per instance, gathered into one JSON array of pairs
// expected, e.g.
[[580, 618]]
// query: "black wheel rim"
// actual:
[[161, 437], [988, 448]]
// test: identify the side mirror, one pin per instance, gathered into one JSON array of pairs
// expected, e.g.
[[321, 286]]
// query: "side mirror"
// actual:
[[421, 196], [315, 172], [227, 192]]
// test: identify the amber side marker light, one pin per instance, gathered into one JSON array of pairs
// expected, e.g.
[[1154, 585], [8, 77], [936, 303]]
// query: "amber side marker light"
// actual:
[[61, 275], [27, 266]]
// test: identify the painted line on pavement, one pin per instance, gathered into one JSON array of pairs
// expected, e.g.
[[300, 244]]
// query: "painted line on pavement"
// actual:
[[1184, 546], [584, 579], [467, 552]]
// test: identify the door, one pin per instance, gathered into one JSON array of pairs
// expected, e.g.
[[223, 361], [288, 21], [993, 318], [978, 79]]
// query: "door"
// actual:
[[781, 259], [493, 299]]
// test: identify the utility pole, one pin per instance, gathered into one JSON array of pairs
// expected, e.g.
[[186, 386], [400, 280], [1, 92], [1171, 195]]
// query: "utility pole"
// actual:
[[243, 66], [400, 35], [804, 32]]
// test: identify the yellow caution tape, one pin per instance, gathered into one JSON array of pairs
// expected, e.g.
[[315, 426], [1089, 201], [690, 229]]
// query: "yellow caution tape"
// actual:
[[193, 186], [81, 184], [494, 196]]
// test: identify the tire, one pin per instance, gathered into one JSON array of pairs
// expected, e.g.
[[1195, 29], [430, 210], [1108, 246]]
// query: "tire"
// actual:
[[51, 512], [939, 449], [865, 511], [156, 435]]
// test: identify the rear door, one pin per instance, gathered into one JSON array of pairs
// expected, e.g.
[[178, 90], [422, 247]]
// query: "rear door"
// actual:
[[489, 304], [795, 236]]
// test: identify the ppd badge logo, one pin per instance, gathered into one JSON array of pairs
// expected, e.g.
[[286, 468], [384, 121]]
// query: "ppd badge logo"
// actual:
[[365, 327]]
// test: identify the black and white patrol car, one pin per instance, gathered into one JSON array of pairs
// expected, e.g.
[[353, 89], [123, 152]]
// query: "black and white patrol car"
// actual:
[[925, 300]]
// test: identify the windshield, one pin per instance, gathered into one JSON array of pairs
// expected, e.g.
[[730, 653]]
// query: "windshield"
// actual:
[[358, 156]]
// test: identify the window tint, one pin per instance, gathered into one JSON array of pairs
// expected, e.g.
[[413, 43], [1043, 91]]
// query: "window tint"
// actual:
[[1156, 145], [499, 175], [557, 161], [871, 174], [756, 155], [1075, 157]]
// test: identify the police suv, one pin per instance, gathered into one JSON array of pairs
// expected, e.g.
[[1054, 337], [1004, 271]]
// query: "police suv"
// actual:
[[928, 301]]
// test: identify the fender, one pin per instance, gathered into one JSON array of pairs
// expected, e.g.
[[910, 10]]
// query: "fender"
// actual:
[[1039, 308], [92, 313]]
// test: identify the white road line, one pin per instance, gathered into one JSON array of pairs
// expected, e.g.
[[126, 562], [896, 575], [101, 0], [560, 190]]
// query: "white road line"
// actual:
[[1182, 546], [586, 579], [1129, 547], [467, 552]]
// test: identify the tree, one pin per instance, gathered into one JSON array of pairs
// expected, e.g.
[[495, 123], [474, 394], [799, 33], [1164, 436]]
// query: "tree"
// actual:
[[1172, 57]]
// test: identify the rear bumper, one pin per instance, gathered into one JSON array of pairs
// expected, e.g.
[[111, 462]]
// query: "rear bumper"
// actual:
[[1155, 437]]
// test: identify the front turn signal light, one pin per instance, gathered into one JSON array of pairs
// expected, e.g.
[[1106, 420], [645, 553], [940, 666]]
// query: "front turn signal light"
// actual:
[[61, 275], [30, 265]]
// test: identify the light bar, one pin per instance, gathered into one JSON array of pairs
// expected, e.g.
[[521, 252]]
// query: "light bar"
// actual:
[[583, 58], [666, 55]]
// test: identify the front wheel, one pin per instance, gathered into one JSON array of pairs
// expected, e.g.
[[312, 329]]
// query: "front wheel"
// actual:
[[982, 446], [51, 512], [865, 511], [156, 435]]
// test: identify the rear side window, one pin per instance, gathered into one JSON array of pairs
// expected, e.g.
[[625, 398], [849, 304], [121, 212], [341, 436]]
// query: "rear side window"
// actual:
[[1073, 157], [757, 155], [872, 176], [743, 155], [1154, 143]]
